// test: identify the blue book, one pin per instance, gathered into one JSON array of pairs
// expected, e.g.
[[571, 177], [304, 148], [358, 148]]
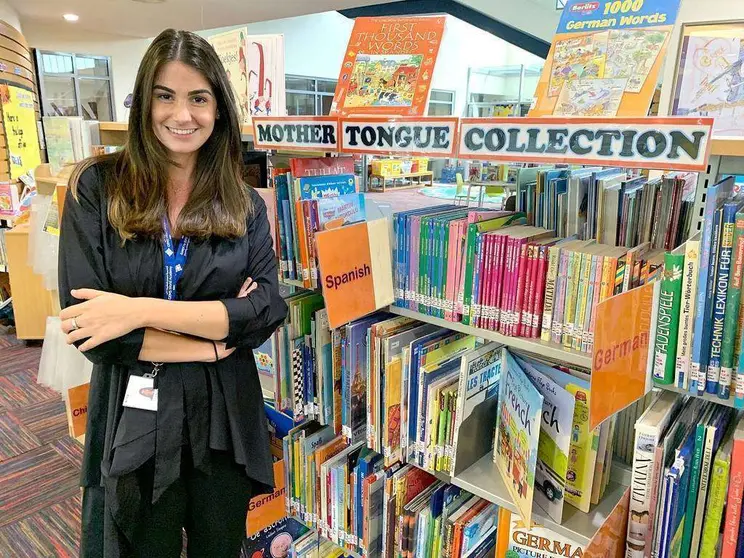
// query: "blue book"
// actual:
[[314, 187], [345, 209], [290, 240], [713, 374], [699, 357]]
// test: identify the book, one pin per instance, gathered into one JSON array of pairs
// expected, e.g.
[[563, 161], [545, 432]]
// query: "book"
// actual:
[[687, 306], [732, 521], [733, 302], [667, 325], [517, 433]]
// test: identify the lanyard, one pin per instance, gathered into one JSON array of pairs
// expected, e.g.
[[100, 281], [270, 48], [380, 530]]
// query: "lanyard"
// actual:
[[174, 260]]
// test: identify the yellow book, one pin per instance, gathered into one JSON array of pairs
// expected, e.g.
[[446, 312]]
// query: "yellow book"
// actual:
[[572, 286], [585, 277], [391, 432], [582, 452]]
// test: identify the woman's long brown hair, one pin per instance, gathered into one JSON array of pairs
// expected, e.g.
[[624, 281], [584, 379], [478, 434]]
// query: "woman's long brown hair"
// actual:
[[136, 181]]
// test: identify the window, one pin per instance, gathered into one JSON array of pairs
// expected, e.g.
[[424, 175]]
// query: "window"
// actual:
[[308, 96], [75, 85], [441, 103]]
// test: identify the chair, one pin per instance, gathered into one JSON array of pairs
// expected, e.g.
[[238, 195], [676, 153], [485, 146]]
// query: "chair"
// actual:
[[460, 191]]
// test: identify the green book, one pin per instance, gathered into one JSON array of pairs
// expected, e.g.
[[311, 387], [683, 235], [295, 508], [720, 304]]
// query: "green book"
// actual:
[[692, 493], [717, 494], [733, 299], [423, 263], [474, 229], [667, 324]]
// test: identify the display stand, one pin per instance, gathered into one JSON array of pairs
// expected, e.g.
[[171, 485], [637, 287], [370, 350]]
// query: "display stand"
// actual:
[[416, 179]]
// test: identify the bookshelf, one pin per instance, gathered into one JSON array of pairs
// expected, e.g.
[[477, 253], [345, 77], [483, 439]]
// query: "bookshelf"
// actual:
[[707, 396], [728, 147], [552, 351], [347, 552]]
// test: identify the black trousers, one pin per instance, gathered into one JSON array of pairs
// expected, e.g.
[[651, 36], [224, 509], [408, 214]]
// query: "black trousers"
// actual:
[[210, 508]]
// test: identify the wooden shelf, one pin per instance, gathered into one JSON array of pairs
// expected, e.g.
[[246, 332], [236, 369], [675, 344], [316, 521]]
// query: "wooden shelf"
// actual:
[[552, 351], [113, 126]]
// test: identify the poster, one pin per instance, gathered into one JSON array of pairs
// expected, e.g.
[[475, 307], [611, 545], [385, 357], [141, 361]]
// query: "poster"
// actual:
[[620, 357], [710, 76], [605, 58], [19, 121], [60, 151], [388, 66], [230, 47], [517, 434], [266, 96]]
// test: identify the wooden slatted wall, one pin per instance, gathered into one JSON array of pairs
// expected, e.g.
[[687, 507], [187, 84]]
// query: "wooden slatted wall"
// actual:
[[16, 68]]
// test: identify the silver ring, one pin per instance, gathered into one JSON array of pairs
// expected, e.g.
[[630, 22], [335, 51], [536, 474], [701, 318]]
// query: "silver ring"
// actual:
[[74, 324]]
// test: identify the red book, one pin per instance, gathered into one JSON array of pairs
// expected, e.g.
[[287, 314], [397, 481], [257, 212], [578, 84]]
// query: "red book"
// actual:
[[735, 492], [506, 286], [519, 296], [321, 166], [539, 303], [499, 279], [529, 290]]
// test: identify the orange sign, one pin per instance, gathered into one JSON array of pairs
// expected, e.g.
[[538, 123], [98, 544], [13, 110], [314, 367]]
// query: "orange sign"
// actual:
[[78, 409], [267, 509], [609, 542], [388, 66], [355, 269], [621, 343]]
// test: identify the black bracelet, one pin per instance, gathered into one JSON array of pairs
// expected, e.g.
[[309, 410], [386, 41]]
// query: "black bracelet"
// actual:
[[216, 355]]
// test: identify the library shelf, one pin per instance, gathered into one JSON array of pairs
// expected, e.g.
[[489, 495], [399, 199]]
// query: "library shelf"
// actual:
[[293, 283], [320, 536], [728, 147], [552, 351], [483, 479], [707, 396]]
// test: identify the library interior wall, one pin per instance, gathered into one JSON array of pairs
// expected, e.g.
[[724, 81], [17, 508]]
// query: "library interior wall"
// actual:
[[314, 47], [9, 15], [694, 11]]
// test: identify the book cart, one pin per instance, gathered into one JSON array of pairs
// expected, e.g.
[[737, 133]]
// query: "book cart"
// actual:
[[474, 469]]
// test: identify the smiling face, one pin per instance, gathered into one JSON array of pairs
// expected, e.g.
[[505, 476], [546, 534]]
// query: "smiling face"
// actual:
[[184, 109]]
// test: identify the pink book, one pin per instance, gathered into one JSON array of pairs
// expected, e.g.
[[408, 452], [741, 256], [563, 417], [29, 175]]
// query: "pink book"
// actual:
[[556, 334], [506, 297], [503, 311], [451, 270], [486, 271], [459, 251], [478, 268], [519, 295], [588, 341], [498, 281], [530, 288], [539, 303], [734, 499]]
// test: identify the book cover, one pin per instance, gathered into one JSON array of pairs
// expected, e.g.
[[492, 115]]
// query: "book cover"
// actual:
[[733, 301], [667, 323], [334, 212], [321, 166], [58, 136], [524, 540], [722, 386], [230, 47], [732, 521], [687, 307], [388, 66], [717, 496], [703, 304], [554, 442], [326, 186], [517, 434], [265, 63]]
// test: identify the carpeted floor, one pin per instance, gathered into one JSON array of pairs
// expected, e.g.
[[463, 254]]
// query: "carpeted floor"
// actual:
[[39, 462]]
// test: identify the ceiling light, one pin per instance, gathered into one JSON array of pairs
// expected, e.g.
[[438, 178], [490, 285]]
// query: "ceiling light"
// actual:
[[71, 17]]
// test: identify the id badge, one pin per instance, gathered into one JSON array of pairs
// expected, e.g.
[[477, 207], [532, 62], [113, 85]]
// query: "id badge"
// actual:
[[141, 393]]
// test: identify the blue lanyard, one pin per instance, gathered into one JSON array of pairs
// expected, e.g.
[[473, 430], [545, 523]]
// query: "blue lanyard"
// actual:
[[174, 260]]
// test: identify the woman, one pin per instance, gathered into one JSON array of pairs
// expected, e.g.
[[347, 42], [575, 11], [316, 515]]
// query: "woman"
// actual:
[[168, 279]]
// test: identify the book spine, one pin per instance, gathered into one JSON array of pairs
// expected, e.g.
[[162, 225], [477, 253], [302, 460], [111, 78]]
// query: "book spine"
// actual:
[[468, 275], [687, 307], [498, 280], [667, 325], [537, 310], [550, 292], [595, 289], [451, 246], [560, 298], [692, 493], [478, 272], [522, 264], [533, 268], [656, 470], [715, 383], [734, 501], [733, 301], [486, 282], [572, 288], [583, 300], [714, 507], [506, 285], [704, 305]]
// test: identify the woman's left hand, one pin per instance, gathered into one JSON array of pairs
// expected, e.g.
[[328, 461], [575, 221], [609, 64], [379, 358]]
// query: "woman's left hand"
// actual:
[[102, 317]]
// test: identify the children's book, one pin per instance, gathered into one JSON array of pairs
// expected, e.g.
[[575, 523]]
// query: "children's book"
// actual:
[[517, 433], [314, 187]]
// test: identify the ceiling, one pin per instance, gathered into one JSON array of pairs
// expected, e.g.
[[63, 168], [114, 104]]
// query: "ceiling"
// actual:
[[140, 19]]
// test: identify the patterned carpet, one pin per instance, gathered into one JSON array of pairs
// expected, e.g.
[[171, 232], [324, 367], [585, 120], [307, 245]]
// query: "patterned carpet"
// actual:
[[39, 462]]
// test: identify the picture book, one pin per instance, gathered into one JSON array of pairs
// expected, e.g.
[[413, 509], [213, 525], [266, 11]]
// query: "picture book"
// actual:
[[265, 84], [230, 47], [314, 187], [555, 440], [522, 539], [58, 137], [517, 433], [388, 66], [334, 212]]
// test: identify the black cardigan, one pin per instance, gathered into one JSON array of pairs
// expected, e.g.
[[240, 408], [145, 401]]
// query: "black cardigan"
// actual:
[[208, 406]]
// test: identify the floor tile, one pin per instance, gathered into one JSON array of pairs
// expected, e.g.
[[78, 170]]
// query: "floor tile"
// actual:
[[47, 420], [15, 438]]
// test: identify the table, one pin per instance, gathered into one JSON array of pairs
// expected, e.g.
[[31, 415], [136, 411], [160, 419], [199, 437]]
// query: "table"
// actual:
[[383, 179]]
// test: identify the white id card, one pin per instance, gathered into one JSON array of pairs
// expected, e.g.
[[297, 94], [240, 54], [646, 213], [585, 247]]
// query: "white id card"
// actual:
[[141, 394]]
